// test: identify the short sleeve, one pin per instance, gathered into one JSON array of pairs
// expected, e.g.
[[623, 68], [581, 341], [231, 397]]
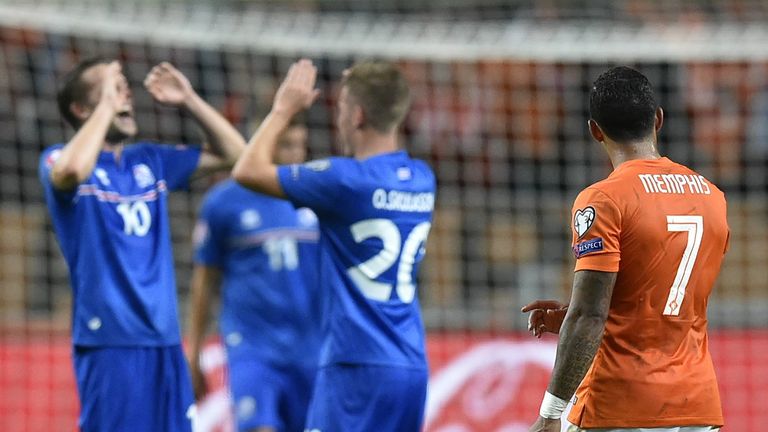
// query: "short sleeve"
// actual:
[[179, 163], [47, 160], [317, 184], [596, 229], [208, 237]]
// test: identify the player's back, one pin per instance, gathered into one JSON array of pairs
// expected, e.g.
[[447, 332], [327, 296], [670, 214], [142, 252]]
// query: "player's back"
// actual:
[[377, 244], [375, 215], [665, 227]]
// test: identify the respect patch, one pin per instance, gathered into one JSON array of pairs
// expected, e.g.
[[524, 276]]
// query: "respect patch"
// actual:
[[587, 247]]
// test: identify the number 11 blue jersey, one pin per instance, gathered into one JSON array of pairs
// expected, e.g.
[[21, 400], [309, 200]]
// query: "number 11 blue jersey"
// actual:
[[375, 215]]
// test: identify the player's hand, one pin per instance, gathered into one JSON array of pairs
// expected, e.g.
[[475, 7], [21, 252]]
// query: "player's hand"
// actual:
[[199, 384], [545, 316], [545, 425], [168, 86], [297, 91], [115, 93]]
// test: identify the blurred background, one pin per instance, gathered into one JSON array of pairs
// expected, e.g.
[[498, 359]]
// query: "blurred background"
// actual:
[[500, 109]]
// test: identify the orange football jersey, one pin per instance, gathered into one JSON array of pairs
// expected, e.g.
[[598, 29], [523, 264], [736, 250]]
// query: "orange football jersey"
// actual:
[[663, 228]]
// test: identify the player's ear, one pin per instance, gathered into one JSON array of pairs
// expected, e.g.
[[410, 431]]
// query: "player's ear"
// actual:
[[659, 121], [81, 111], [358, 117], [595, 131]]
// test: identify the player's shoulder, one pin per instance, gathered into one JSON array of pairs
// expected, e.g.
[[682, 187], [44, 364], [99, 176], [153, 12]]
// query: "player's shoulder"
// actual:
[[341, 170], [219, 196], [619, 184], [422, 167], [606, 190], [329, 163], [49, 154], [333, 165], [407, 168], [220, 190], [709, 184]]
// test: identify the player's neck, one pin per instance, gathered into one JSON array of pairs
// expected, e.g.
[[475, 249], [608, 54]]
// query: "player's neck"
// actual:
[[372, 143], [115, 148], [625, 152]]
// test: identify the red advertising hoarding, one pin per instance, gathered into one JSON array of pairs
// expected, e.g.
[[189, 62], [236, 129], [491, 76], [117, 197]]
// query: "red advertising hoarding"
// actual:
[[477, 382]]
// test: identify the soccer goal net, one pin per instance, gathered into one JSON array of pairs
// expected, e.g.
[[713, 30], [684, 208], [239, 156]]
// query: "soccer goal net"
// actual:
[[500, 108]]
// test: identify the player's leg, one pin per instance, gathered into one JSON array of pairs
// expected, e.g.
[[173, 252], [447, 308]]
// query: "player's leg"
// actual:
[[360, 398], [94, 377], [255, 396], [178, 397], [295, 395], [130, 389]]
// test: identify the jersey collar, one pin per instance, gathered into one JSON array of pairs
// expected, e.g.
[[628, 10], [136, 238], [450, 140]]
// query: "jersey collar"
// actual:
[[395, 154], [643, 162]]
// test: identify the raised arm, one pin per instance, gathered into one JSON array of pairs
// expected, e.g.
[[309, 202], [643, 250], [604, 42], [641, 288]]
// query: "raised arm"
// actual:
[[580, 337], [78, 157], [256, 169], [223, 143], [204, 280]]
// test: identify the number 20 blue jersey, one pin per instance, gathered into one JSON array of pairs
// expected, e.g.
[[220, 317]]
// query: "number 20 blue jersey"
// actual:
[[375, 215]]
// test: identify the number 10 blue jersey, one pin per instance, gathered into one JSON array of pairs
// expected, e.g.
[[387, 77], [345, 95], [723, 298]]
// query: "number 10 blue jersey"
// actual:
[[375, 215]]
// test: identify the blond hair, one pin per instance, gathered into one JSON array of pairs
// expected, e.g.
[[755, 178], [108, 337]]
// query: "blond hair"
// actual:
[[381, 91]]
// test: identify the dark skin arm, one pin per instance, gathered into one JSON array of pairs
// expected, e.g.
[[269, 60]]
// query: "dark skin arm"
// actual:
[[580, 336]]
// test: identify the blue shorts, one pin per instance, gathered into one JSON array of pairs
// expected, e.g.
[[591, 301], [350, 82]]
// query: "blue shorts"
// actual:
[[364, 398], [269, 395], [133, 389]]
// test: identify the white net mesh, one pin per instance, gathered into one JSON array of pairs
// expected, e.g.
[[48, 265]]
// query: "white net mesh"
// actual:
[[500, 108]]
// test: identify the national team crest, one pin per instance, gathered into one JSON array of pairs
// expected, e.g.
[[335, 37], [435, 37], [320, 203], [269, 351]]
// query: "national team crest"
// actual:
[[404, 173], [101, 174], [143, 175], [250, 219], [307, 217], [583, 220]]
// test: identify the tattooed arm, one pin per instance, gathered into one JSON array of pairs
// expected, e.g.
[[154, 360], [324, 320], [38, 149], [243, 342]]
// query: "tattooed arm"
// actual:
[[580, 336], [582, 330]]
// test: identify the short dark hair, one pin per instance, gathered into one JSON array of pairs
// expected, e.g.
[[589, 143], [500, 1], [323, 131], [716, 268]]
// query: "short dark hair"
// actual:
[[622, 102], [74, 89], [381, 90]]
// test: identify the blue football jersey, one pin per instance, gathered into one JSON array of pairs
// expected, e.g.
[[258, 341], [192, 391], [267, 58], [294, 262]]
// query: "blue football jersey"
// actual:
[[114, 234], [267, 252], [375, 215]]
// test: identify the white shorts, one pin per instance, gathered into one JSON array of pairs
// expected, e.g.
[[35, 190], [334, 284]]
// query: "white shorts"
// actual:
[[572, 428]]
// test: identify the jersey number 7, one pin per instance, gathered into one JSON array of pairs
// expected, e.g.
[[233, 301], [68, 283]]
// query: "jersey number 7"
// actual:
[[364, 274], [694, 226]]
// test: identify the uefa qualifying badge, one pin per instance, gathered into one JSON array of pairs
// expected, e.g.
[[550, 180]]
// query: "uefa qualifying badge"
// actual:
[[143, 175], [583, 220]]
